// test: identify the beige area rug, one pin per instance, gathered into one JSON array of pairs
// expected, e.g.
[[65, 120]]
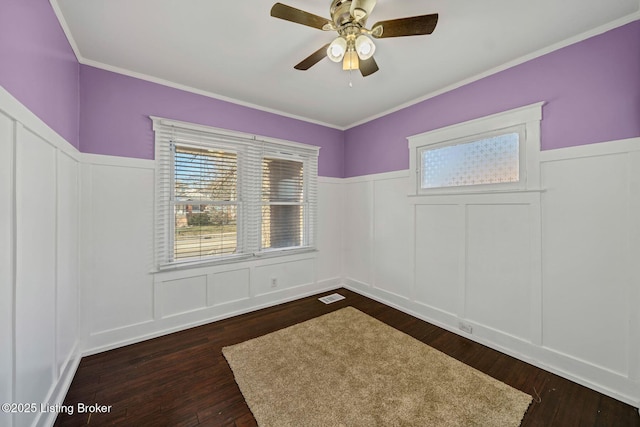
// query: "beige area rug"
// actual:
[[348, 369]]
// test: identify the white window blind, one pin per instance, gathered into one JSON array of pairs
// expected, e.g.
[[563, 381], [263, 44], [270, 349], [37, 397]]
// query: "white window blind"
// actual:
[[283, 204], [205, 202], [224, 196]]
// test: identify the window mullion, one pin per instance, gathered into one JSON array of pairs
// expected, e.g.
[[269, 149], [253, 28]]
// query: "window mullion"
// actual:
[[170, 255], [250, 171]]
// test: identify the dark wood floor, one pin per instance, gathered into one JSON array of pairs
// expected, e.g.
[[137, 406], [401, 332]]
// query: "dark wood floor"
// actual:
[[182, 379]]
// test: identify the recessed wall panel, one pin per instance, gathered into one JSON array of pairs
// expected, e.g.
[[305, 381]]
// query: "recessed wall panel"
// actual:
[[229, 286], [285, 274], [67, 257], [498, 271], [121, 213], [439, 231], [393, 231], [182, 295], [6, 267], [35, 269], [358, 231], [586, 286], [330, 216]]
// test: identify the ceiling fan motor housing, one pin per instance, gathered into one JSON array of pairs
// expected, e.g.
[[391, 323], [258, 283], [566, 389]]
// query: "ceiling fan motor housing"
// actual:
[[341, 13]]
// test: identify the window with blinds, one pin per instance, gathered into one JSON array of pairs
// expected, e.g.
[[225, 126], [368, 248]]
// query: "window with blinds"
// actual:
[[282, 203], [223, 196], [205, 203]]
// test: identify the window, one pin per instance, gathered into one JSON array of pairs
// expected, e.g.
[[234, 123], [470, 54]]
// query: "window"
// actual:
[[494, 153], [484, 160], [223, 196], [282, 203], [205, 202]]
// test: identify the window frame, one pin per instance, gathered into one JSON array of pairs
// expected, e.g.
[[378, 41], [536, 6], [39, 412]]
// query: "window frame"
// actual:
[[250, 150], [525, 120]]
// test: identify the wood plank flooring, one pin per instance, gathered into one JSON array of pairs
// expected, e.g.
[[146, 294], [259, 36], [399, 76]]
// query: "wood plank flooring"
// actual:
[[182, 379]]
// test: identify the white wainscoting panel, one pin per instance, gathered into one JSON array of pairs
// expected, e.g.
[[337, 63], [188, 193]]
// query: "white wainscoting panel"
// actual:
[[393, 230], [498, 270], [229, 286], [35, 309], [358, 231], [6, 263], [586, 274], [439, 256], [39, 262], [330, 216], [120, 209], [634, 273], [182, 296], [126, 301], [285, 274], [68, 211]]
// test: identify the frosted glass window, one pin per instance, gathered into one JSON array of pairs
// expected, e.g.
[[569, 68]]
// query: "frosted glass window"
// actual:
[[491, 160]]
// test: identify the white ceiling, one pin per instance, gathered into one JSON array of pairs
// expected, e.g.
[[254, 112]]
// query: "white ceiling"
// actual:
[[235, 50]]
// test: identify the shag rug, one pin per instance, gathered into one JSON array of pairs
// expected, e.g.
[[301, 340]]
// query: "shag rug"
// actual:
[[348, 369]]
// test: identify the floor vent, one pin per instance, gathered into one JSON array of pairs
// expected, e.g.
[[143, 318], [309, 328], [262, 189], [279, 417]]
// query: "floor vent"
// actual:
[[331, 298]]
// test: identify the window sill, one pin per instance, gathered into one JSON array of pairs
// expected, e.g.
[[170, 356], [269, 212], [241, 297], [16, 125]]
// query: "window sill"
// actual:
[[477, 192], [240, 259], [504, 196]]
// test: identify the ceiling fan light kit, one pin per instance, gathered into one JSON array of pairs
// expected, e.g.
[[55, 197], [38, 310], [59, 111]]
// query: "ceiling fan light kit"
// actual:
[[365, 47], [353, 46], [337, 49], [351, 61], [350, 50]]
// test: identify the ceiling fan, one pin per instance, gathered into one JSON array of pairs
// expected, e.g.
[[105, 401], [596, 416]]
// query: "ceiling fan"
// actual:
[[353, 46]]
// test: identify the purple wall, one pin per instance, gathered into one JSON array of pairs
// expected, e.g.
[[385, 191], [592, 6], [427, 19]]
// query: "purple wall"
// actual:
[[592, 90], [115, 112], [38, 66]]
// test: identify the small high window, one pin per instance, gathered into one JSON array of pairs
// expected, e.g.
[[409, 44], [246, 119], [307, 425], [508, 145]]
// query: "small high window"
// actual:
[[493, 153], [484, 160]]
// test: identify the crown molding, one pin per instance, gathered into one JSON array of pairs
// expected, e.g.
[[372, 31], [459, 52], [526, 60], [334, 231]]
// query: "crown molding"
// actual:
[[65, 29]]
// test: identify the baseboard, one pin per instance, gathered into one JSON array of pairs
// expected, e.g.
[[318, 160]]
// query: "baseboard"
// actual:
[[59, 390]]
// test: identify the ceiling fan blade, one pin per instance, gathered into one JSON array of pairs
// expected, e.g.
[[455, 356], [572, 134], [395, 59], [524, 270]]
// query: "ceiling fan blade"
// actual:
[[413, 26], [361, 9], [313, 59], [368, 67], [298, 16]]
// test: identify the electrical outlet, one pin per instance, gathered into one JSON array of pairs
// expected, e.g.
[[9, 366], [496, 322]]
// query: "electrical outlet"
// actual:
[[274, 282], [465, 327]]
